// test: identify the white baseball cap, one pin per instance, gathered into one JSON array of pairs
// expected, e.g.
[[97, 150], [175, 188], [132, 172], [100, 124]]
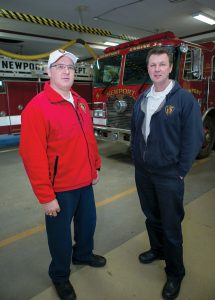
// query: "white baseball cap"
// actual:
[[54, 56]]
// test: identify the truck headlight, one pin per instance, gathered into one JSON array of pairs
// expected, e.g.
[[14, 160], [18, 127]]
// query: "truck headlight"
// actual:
[[98, 113]]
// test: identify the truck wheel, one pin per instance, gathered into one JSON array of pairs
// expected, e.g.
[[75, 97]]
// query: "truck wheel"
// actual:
[[209, 137]]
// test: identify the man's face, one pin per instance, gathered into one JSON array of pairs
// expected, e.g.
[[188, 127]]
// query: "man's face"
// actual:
[[62, 74], [159, 69]]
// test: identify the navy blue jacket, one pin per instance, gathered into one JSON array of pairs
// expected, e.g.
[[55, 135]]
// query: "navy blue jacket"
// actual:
[[176, 134]]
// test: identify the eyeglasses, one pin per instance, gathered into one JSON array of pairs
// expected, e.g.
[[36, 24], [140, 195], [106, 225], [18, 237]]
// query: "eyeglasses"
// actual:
[[62, 67]]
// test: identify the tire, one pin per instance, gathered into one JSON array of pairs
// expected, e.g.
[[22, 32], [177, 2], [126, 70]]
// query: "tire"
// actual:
[[209, 138]]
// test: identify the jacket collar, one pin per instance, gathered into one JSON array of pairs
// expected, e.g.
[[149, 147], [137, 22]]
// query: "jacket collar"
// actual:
[[175, 87], [55, 97]]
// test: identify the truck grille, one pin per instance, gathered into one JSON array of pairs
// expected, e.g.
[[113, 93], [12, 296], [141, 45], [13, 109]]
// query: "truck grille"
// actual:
[[115, 117]]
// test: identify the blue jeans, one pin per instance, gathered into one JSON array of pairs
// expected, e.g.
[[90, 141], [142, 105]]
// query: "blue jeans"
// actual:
[[77, 205]]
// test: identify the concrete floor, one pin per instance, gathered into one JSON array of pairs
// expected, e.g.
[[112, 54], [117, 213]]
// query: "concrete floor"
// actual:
[[120, 235]]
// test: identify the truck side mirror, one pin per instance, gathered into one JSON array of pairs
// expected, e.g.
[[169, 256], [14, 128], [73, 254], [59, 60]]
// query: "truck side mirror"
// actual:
[[196, 62]]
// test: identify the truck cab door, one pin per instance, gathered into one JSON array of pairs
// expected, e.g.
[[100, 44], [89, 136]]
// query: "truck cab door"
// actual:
[[19, 93], [4, 112]]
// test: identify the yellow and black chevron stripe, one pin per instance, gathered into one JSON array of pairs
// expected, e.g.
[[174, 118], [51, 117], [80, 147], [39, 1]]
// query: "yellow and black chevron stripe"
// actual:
[[9, 14]]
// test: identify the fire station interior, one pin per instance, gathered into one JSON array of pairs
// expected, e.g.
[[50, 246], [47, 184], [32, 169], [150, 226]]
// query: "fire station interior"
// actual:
[[31, 29]]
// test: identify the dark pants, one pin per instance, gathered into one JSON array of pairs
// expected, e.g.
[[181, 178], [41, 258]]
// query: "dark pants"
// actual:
[[161, 199], [80, 205]]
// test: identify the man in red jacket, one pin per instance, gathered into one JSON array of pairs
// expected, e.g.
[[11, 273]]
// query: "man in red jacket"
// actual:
[[60, 155]]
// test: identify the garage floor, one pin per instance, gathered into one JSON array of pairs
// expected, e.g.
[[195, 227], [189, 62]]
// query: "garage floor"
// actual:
[[120, 235]]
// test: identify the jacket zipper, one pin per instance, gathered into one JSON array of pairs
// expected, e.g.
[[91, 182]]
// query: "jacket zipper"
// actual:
[[144, 153], [83, 134]]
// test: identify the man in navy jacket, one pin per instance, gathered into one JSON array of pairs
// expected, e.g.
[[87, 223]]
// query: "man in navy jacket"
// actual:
[[167, 134]]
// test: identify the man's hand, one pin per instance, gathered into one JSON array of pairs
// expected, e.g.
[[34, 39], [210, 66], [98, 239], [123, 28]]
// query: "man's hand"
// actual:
[[51, 208], [96, 180]]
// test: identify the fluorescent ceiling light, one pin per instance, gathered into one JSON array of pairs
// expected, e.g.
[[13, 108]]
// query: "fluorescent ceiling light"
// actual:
[[204, 18], [110, 44], [101, 47]]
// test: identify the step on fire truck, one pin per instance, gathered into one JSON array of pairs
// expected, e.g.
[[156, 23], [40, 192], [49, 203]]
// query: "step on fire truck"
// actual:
[[120, 75], [21, 80]]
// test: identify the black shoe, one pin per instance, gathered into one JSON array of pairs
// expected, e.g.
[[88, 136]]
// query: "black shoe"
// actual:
[[95, 261], [65, 290], [149, 256], [171, 289]]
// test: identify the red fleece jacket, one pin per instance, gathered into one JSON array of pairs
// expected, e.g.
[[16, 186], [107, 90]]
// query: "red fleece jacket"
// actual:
[[57, 144]]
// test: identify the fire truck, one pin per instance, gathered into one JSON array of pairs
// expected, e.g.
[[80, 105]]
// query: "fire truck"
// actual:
[[120, 76], [20, 80]]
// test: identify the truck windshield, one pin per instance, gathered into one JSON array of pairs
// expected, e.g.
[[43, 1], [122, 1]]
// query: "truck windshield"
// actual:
[[106, 71], [136, 69]]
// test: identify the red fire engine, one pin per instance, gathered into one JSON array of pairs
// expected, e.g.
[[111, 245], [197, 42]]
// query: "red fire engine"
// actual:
[[21, 80], [120, 75]]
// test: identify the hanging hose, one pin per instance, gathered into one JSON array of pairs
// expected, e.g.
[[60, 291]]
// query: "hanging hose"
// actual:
[[44, 55]]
